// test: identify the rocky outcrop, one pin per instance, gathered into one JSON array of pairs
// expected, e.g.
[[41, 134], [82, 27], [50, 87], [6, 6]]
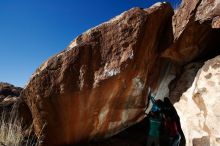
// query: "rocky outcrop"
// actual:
[[97, 86], [194, 35], [8, 90], [198, 107], [196, 38], [195, 11], [9, 95], [12, 105]]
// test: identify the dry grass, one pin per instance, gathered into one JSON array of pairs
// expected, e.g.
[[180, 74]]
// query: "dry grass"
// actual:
[[11, 132]]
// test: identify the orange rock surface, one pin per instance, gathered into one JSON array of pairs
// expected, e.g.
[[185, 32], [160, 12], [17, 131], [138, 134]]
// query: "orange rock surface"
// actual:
[[97, 86]]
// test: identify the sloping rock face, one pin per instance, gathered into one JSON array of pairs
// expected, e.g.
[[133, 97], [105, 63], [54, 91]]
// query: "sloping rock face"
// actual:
[[199, 108], [98, 85]]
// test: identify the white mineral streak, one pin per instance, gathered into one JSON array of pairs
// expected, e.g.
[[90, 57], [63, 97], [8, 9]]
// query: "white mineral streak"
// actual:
[[111, 72], [138, 86], [199, 108], [131, 108], [127, 115], [102, 116], [163, 90]]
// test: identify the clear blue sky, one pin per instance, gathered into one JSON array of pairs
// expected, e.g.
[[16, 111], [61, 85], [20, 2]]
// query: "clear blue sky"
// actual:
[[33, 30]]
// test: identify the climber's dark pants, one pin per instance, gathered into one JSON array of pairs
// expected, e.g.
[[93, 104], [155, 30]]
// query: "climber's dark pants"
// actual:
[[175, 141], [152, 140]]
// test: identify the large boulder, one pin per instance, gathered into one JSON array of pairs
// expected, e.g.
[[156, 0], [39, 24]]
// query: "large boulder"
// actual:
[[97, 86], [191, 12], [196, 38], [199, 108], [195, 31]]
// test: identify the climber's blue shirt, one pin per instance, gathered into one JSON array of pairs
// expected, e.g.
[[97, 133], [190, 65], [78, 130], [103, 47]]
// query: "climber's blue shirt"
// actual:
[[155, 124]]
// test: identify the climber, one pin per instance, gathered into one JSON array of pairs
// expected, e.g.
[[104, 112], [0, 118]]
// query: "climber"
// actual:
[[171, 125], [154, 131], [157, 104], [155, 120], [169, 108]]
